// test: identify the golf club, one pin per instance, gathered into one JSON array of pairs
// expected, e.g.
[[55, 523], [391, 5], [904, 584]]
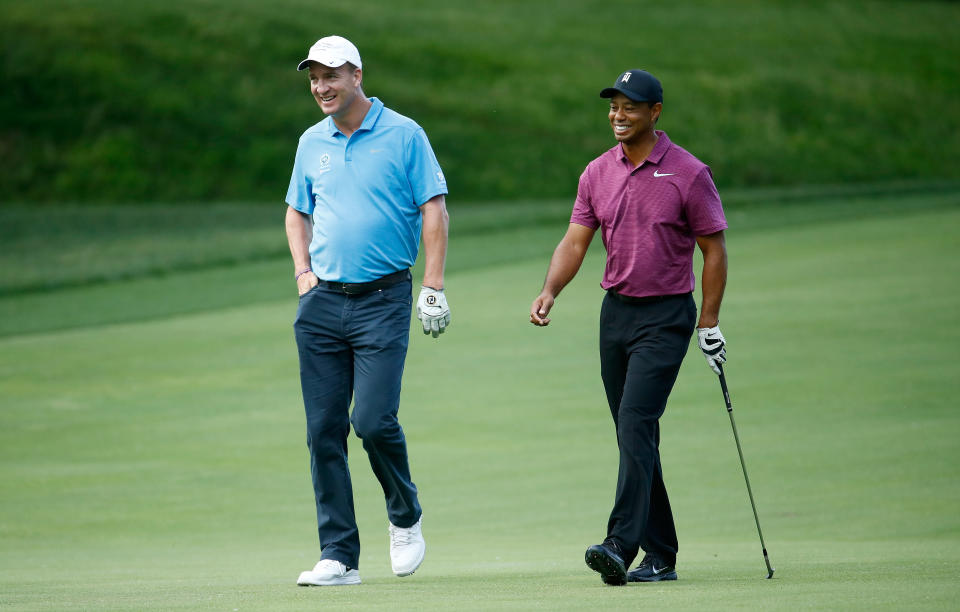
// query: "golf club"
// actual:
[[736, 436]]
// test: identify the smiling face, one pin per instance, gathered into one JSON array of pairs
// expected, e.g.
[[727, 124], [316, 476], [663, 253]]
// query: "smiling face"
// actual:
[[335, 89], [632, 122]]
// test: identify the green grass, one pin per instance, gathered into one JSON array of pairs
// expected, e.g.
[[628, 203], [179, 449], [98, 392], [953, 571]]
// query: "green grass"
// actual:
[[186, 100], [228, 255], [160, 465]]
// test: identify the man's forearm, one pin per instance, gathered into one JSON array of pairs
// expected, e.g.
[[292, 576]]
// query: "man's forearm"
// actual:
[[299, 232], [713, 282], [436, 223], [713, 279], [564, 265], [567, 259]]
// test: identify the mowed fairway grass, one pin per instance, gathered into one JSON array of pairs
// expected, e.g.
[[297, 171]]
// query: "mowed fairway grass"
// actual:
[[161, 464]]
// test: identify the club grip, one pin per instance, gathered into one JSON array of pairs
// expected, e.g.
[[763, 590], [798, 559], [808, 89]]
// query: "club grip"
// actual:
[[723, 387]]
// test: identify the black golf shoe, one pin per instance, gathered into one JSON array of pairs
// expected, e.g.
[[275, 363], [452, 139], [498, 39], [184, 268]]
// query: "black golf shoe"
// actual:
[[605, 559], [652, 569]]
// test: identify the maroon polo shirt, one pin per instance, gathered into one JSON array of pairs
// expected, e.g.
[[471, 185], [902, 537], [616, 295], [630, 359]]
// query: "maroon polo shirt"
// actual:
[[649, 217]]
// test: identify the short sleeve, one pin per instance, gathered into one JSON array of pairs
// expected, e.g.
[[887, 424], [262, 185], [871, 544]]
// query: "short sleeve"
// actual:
[[423, 170], [703, 207], [300, 191], [583, 211]]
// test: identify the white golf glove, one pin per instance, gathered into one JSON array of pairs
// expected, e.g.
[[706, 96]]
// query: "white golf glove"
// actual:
[[713, 346], [432, 310]]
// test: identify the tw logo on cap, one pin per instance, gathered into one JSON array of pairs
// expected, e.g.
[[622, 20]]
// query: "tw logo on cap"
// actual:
[[625, 78]]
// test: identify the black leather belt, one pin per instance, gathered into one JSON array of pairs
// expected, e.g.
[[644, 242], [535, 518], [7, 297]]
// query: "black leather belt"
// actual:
[[629, 299], [360, 288]]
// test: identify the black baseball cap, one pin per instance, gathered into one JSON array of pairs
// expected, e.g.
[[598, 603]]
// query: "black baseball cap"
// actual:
[[638, 85]]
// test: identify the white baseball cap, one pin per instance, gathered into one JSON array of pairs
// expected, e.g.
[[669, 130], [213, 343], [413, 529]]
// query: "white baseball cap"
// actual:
[[332, 51]]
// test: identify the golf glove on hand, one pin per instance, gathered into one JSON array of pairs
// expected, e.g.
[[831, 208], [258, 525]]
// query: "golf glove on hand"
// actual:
[[432, 310], [713, 346]]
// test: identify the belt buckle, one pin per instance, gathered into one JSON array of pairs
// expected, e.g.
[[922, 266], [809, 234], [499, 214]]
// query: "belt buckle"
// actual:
[[345, 288]]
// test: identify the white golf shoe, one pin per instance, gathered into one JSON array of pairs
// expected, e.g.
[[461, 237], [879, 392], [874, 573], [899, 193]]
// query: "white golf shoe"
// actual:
[[328, 572], [406, 548]]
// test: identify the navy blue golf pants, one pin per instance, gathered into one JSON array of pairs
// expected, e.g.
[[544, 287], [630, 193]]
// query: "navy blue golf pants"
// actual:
[[353, 347], [641, 348]]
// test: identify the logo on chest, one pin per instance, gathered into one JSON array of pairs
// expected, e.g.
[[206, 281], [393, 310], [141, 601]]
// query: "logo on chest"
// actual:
[[324, 164]]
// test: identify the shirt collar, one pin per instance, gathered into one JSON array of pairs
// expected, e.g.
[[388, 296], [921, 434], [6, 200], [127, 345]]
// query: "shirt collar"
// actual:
[[659, 149], [373, 113], [369, 120]]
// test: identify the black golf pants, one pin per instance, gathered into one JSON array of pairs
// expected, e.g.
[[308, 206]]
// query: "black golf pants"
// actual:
[[642, 344]]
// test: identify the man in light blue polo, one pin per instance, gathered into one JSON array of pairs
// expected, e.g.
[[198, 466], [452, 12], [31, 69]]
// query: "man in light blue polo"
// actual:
[[365, 187]]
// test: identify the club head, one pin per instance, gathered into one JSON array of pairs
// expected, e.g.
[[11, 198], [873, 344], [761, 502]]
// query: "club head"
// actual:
[[770, 574]]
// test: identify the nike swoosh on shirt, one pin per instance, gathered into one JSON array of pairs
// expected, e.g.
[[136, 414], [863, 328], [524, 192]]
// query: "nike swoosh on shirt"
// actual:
[[658, 174]]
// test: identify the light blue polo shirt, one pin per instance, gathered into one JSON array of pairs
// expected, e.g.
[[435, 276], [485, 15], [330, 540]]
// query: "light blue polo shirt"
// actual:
[[364, 193]]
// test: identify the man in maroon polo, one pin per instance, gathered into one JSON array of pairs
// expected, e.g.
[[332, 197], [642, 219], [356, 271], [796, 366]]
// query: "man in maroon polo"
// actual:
[[652, 201]]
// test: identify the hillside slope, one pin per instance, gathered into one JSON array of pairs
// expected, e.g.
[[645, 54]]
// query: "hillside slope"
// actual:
[[105, 100]]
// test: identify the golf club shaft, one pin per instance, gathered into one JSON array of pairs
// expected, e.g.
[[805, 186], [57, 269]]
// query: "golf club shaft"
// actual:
[[743, 465]]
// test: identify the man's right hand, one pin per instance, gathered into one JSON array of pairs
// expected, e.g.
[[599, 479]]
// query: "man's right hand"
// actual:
[[540, 309], [306, 282]]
